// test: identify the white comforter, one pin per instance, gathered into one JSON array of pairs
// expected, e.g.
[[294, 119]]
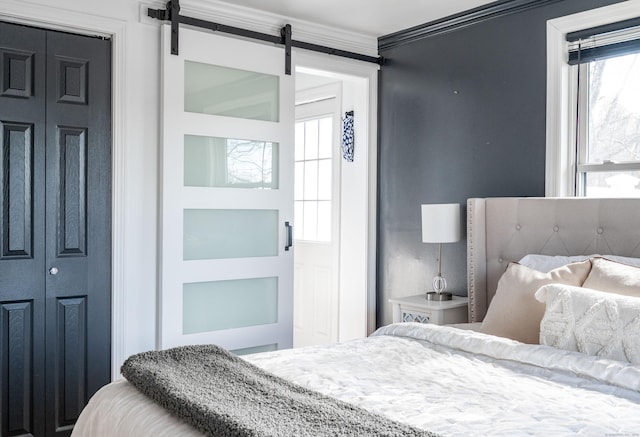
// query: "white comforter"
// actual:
[[454, 382]]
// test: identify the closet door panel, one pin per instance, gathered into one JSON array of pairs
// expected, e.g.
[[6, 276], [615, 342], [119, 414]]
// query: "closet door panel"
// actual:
[[78, 248], [22, 223], [16, 183]]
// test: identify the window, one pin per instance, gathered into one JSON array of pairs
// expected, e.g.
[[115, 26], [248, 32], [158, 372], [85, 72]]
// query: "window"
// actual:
[[313, 144], [585, 128], [608, 113]]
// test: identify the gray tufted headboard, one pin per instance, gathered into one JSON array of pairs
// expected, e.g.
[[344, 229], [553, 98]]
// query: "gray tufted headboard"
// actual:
[[502, 230]]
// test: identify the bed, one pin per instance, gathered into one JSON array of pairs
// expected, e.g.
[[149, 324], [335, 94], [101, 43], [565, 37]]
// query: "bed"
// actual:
[[495, 379]]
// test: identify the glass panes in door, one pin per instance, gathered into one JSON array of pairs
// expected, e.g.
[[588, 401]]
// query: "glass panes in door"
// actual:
[[233, 92], [215, 305], [313, 140], [230, 162]]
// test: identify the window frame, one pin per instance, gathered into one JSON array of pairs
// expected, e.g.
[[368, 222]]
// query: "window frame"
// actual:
[[562, 166], [582, 166]]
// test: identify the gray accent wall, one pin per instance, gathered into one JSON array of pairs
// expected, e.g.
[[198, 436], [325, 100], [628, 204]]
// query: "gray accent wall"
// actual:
[[462, 114]]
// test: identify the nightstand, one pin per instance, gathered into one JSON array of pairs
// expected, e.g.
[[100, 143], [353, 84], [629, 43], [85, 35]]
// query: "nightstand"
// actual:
[[419, 309]]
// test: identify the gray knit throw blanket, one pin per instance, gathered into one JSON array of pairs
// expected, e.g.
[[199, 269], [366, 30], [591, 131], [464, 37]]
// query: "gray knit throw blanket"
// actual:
[[224, 396]]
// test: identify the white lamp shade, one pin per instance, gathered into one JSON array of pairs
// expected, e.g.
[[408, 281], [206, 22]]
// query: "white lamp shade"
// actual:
[[441, 223]]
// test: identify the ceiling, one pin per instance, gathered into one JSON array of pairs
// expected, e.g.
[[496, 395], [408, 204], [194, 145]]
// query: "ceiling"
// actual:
[[369, 17]]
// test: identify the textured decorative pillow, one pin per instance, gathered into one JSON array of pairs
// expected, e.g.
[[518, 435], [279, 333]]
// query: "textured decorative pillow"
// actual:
[[546, 263], [613, 277], [514, 311], [593, 322]]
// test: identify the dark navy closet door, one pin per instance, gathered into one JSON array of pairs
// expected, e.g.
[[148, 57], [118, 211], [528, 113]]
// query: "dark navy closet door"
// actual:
[[55, 265]]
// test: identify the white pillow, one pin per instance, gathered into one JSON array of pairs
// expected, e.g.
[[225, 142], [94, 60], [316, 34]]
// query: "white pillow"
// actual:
[[546, 263], [593, 322]]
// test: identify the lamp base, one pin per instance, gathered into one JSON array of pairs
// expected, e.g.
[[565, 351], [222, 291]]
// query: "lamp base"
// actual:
[[445, 295]]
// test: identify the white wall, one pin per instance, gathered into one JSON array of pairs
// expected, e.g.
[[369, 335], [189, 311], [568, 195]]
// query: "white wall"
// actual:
[[353, 230], [136, 115]]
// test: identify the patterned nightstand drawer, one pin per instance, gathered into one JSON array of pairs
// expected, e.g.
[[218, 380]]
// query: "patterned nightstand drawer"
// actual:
[[418, 309], [414, 316]]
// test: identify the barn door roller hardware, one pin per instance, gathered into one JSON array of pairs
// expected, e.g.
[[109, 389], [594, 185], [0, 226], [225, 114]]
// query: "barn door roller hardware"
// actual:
[[172, 13]]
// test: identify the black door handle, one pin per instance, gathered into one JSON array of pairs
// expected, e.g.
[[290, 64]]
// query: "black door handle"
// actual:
[[289, 242]]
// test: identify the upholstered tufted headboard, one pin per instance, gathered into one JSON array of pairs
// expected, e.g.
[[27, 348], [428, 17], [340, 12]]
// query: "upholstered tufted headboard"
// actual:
[[502, 230]]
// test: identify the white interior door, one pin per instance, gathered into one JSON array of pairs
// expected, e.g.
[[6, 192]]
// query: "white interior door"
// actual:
[[317, 214], [227, 192]]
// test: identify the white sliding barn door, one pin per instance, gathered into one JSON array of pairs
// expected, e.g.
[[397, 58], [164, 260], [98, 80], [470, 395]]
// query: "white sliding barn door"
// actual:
[[227, 191]]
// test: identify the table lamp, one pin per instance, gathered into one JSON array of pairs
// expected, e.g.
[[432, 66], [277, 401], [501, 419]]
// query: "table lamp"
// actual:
[[440, 224]]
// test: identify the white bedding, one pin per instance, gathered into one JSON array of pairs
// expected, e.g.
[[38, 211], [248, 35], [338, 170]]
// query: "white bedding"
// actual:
[[451, 381]]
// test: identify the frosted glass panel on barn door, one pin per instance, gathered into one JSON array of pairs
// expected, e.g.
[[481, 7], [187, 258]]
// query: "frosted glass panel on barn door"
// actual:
[[227, 192]]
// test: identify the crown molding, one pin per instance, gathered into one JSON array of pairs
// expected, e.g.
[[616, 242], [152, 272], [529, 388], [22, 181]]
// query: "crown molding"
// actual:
[[457, 21], [265, 22], [37, 14]]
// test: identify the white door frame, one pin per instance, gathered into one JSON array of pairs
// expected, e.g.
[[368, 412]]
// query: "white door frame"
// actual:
[[366, 128], [52, 18]]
